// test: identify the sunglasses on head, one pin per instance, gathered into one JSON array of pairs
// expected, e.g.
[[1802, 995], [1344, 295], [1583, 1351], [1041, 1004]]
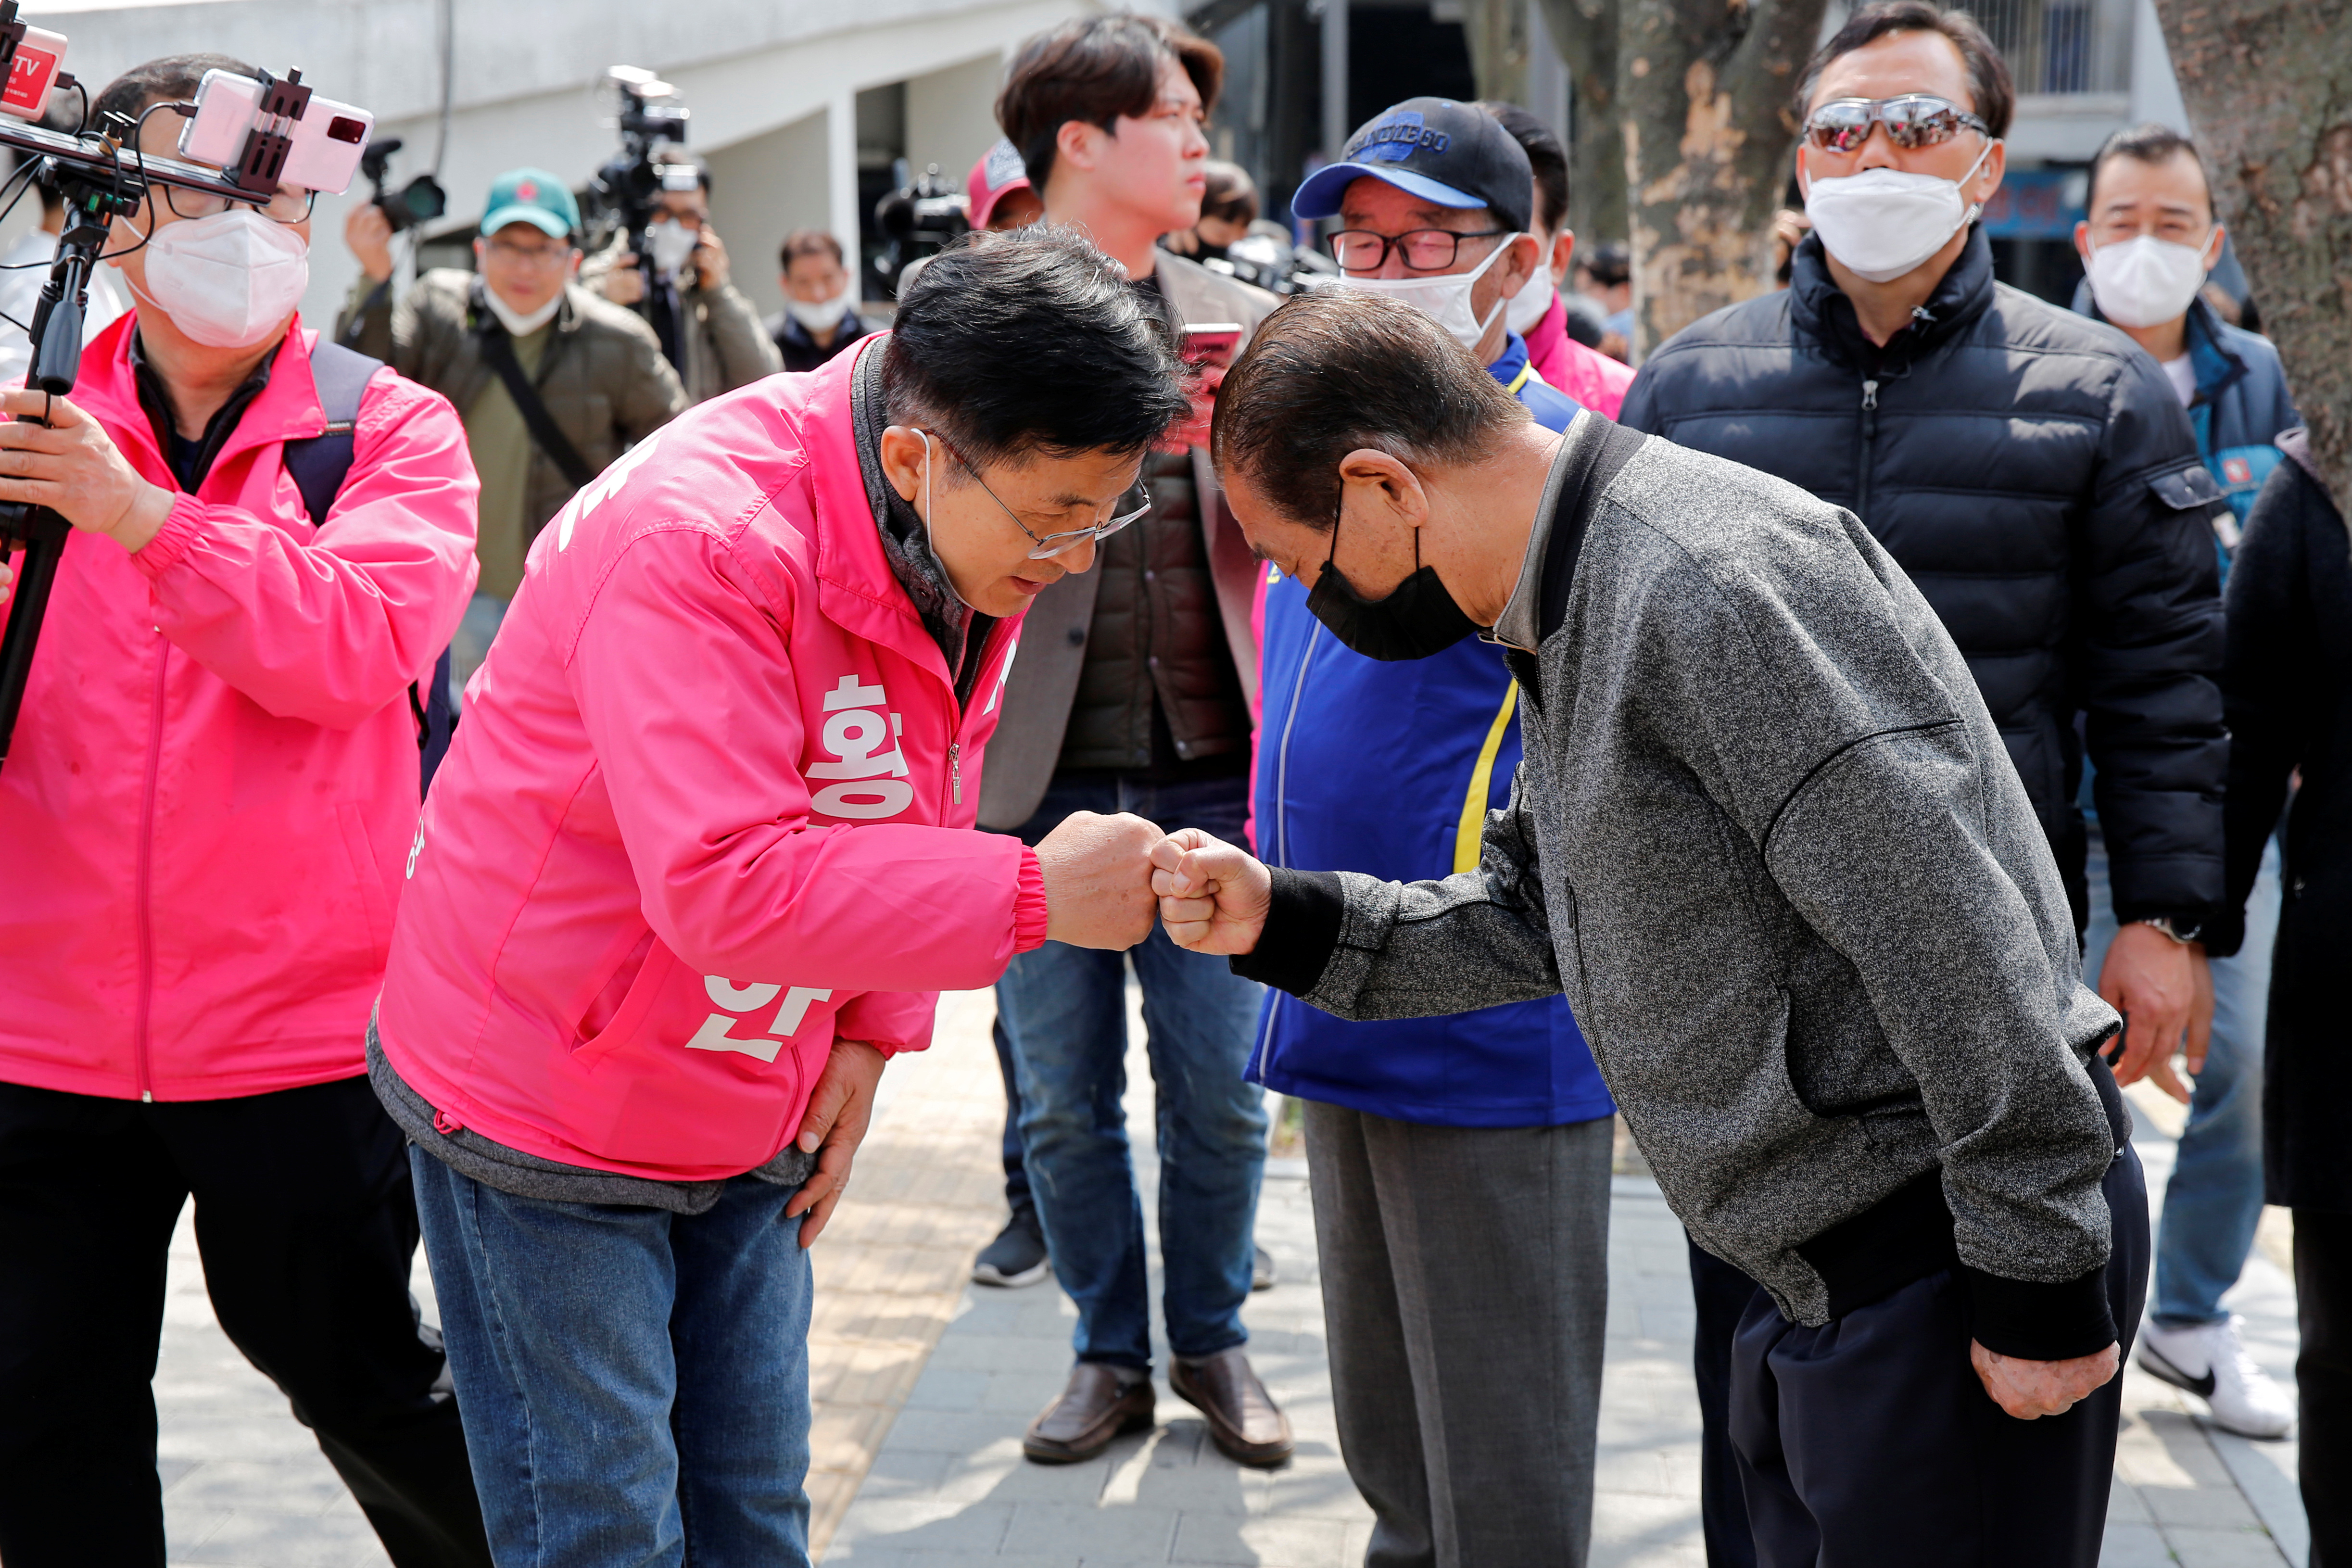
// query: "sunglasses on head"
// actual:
[[1912, 121]]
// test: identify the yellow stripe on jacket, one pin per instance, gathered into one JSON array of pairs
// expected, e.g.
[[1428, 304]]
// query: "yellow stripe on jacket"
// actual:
[[1482, 781]]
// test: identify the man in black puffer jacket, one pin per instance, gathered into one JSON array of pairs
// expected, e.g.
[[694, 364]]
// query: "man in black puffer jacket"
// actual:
[[2034, 475]]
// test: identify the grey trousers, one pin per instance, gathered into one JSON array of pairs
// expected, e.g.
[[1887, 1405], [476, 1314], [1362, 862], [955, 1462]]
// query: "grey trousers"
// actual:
[[1466, 1292]]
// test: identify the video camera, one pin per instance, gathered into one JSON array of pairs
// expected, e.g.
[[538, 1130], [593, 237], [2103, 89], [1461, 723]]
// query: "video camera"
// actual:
[[258, 133], [420, 201], [625, 193], [920, 218]]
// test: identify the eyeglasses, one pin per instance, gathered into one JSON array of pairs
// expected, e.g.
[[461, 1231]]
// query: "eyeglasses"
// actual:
[[1052, 544], [1914, 120], [1424, 250], [528, 255], [289, 206]]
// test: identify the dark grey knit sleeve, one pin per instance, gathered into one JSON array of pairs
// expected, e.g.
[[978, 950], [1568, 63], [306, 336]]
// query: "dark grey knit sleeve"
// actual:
[[1418, 950]]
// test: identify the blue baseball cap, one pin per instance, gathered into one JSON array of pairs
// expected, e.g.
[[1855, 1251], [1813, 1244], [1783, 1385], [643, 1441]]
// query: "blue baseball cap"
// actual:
[[1455, 154]]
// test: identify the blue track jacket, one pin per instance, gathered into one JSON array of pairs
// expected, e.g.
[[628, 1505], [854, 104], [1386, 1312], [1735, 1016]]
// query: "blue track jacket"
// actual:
[[1391, 769], [2242, 404]]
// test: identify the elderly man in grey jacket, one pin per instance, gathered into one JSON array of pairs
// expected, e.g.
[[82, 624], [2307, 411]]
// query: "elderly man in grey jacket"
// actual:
[[1768, 840]]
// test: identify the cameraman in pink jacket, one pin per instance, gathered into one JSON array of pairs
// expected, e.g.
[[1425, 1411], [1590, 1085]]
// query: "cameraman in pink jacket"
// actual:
[[201, 818], [701, 859]]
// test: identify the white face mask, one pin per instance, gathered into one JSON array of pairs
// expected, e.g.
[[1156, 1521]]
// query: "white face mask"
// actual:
[[521, 323], [229, 280], [673, 242], [1530, 304], [1882, 223], [2145, 281], [1445, 299], [826, 314]]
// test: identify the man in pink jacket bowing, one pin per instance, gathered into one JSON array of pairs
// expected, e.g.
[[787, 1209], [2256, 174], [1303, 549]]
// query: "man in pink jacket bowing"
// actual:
[[202, 817], [701, 859]]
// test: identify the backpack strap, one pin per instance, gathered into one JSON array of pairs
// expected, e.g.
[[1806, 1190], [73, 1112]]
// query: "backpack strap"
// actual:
[[320, 464]]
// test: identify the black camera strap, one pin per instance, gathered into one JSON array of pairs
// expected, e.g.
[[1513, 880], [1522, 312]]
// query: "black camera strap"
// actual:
[[497, 352]]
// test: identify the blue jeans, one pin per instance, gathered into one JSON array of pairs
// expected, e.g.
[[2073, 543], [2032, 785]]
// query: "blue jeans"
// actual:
[[2215, 1199], [1064, 1010], [634, 1383]]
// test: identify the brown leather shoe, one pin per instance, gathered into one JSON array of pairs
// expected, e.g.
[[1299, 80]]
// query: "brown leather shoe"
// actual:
[[1095, 1408], [1242, 1417]]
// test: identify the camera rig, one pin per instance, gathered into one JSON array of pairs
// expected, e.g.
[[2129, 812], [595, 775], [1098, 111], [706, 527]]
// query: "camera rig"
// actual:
[[103, 176], [625, 195], [922, 217]]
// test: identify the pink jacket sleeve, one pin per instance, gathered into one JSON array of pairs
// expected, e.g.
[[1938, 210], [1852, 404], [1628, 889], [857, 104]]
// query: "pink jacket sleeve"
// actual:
[[332, 630], [692, 707]]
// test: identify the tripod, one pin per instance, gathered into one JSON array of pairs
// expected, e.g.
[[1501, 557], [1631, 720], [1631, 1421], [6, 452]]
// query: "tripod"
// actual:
[[56, 332]]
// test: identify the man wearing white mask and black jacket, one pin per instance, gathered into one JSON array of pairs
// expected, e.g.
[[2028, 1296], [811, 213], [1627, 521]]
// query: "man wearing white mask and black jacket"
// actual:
[[2147, 244], [2033, 473], [203, 814]]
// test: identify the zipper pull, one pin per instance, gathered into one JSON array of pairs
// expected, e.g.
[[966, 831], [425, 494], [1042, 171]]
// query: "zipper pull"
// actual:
[[1870, 394], [955, 768]]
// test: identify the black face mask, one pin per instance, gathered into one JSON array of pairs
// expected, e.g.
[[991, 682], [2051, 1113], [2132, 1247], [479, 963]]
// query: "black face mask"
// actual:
[[1416, 619]]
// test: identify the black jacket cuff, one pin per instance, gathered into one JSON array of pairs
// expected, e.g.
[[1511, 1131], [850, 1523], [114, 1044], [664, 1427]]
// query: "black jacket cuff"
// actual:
[[2225, 934], [1301, 931], [2041, 1323]]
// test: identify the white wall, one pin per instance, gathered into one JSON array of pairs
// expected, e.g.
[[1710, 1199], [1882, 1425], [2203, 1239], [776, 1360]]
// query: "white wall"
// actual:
[[952, 116], [762, 189]]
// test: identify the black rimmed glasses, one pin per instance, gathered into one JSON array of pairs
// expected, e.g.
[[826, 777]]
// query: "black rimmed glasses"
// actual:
[[1424, 250], [289, 206], [1913, 120], [1049, 545]]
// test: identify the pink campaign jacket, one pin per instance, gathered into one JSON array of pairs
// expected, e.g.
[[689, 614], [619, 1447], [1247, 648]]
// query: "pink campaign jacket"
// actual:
[[215, 775], [711, 808], [1590, 376]]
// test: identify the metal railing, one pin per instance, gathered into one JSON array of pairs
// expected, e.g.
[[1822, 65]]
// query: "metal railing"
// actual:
[[2062, 47]]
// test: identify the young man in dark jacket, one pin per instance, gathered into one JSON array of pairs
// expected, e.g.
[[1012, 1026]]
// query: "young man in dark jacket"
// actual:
[[2031, 471], [1767, 839], [2147, 246], [1131, 691]]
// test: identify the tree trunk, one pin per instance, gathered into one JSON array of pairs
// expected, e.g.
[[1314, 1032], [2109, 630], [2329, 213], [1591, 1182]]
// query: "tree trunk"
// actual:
[[1496, 31], [2269, 86], [1585, 34], [1704, 89]]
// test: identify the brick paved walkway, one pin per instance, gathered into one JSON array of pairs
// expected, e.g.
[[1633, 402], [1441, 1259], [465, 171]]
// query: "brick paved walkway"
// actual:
[[923, 1384]]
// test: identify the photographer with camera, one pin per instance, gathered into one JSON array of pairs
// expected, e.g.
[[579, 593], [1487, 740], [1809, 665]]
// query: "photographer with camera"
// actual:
[[553, 382], [205, 807], [708, 330]]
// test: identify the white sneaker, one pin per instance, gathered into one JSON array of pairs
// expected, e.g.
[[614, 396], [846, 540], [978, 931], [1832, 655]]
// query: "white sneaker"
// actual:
[[2210, 1362]]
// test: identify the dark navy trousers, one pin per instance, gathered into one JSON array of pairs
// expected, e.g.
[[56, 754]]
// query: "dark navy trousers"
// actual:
[[1870, 1440]]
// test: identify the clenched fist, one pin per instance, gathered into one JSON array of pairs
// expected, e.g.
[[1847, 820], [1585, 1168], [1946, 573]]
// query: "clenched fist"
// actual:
[[1097, 874], [2030, 1390], [1214, 898]]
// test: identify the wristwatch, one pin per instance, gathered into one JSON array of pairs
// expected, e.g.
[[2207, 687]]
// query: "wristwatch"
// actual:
[[2183, 932]]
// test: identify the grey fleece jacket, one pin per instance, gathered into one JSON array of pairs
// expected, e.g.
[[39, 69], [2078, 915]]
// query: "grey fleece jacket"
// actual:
[[1768, 840]]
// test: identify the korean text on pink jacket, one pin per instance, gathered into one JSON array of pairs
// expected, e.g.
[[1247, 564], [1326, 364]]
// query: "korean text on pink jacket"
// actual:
[[214, 778], [712, 808]]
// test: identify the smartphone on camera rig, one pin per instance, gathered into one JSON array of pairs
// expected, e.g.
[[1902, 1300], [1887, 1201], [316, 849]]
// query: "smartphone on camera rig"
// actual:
[[261, 133]]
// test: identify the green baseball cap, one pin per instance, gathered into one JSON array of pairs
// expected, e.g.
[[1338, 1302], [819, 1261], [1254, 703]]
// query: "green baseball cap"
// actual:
[[533, 196]]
